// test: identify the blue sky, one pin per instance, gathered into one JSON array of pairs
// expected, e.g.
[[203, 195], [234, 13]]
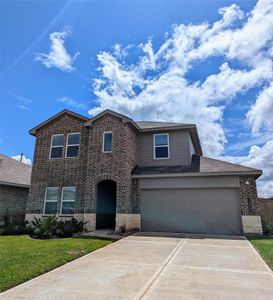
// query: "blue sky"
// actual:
[[187, 61]]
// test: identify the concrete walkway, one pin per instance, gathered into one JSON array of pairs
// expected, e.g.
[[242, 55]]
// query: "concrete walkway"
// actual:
[[158, 266]]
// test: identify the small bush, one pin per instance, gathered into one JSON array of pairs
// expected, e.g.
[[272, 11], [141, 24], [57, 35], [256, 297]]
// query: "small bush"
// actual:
[[123, 231], [43, 228], [9, 225], [268, 228], [52, 227], [69, 227]]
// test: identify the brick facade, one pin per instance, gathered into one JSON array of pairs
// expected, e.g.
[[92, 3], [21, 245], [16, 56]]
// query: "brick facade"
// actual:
[[13, 200], [58, 172], [116, 166], [248, 196], [87, 170], [93, 166]]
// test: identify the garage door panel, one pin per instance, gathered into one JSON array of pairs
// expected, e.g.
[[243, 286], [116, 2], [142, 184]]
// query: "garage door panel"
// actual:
[[191, 210]]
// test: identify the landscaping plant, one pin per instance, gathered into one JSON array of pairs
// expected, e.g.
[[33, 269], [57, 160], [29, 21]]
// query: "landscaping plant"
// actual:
[[51, 227], [268, 228]]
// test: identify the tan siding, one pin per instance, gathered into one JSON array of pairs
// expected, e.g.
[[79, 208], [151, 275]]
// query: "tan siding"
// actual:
[[192, 150], [179, 149]]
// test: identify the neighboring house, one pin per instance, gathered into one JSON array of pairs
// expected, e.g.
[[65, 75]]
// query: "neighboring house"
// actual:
[[112, 171], [14, 187]]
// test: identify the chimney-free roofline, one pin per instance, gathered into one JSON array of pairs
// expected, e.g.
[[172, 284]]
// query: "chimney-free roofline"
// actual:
[[88, 122]]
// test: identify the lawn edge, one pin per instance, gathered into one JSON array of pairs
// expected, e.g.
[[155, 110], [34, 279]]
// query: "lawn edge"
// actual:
[[266, 264], [23, 283]]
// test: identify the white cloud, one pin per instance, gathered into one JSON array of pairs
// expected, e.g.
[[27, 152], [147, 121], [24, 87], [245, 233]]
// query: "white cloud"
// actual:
[[58, 56], [71, 102], [24, 159], [24, 102], [261, 113], [23, 107], [157, 87], [259, 158]]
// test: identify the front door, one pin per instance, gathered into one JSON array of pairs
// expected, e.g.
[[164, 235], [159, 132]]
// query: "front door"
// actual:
[[106, 205]]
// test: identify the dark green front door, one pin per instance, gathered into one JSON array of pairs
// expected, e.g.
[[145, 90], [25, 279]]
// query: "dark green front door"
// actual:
[[106, 204]]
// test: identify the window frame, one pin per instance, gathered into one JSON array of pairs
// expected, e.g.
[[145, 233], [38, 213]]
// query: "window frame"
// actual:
[[61, 206], [51, 146], [72, 144], [160, 146], [103, 142], [45, 200]]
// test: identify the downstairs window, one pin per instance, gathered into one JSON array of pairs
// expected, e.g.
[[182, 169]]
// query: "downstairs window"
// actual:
[[68, 200], [51, 201]]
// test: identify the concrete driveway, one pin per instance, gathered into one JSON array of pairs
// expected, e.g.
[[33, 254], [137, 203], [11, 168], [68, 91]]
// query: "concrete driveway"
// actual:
[[158, 266]]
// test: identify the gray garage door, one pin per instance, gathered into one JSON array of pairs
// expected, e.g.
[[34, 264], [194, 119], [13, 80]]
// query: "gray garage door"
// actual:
[[188, 210]]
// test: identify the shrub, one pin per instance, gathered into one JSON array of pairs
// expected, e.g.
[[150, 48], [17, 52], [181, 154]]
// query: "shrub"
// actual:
[[268, 228], [123, 231], [9, 225], [51, 227], [43, 228]]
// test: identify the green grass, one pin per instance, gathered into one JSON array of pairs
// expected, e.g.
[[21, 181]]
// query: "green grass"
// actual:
[[264, 245], [23, 258]]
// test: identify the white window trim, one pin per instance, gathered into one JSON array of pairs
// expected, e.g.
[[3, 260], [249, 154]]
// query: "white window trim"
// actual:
[[72, 144], [61, 207], [55, 146], [50, 187], [168, 145], [103, 142]]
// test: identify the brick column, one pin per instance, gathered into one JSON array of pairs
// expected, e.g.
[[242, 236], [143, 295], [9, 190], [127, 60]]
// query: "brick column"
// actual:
[[249, 205]]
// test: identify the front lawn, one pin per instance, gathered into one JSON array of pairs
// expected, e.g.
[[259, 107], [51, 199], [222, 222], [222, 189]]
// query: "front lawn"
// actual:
[[22, 258], [264, 245]]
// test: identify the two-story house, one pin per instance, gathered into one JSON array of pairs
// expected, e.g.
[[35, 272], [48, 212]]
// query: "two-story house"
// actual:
[[112, 171]]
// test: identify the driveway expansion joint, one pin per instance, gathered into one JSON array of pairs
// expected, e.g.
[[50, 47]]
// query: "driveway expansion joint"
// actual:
[[148, 286]]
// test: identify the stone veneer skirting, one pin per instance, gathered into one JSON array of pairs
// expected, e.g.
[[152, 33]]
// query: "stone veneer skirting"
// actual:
[[252, 224], [91, 221], [130, 221]]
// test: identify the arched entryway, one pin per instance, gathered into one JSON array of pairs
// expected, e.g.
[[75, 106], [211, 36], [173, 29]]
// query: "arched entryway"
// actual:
[[106, 204]]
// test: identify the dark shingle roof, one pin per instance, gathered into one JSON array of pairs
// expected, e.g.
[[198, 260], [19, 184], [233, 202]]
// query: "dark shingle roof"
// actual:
[[13, 172], [142, 126], [198, 166], [152, 124]]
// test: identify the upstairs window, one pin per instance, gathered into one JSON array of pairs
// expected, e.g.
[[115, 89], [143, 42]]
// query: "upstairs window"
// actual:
[[161, 146], [57, 142], [73, 145], [107, 141], [68, 200], [51, 201]]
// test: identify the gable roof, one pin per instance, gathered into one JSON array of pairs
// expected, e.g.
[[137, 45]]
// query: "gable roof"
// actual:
[[65, 111], [13, 172], [200, 166], [113, 113], [214, 165], [142, 126]]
